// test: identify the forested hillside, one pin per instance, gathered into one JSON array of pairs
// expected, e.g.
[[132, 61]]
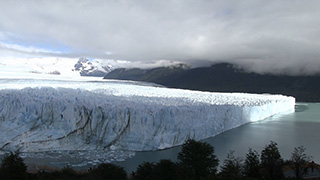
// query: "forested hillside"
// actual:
[[225, 78]]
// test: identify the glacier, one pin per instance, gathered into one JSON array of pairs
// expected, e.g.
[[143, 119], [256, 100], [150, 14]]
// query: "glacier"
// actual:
[[56, 115]]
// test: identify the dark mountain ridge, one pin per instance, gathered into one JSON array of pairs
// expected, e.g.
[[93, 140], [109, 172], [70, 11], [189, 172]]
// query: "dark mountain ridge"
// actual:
[[225, 77]]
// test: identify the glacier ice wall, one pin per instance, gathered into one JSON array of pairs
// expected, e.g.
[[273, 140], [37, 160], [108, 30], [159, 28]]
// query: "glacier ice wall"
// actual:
[[63, 115]]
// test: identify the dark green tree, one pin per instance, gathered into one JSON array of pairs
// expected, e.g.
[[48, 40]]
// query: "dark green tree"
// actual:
[[68, 173], [232, 167], [144, 171], [108, 171], [299, 161], [271, 162], [252, 164], [13, 167], [166, 170], [198, 159]]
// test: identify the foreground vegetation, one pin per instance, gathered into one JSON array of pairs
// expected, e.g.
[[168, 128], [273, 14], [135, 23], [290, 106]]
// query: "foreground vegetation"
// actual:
[[196, 161]]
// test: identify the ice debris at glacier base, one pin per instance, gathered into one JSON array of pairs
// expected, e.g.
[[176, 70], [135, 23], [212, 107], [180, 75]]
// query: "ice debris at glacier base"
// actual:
[[50, 115]]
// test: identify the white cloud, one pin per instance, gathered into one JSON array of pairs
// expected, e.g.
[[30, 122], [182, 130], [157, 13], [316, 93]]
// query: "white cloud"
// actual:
[[138, 64], [27, 50], [260, 33]]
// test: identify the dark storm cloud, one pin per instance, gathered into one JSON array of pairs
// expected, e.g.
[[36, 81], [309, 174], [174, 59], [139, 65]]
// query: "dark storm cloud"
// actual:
[[264, 36]]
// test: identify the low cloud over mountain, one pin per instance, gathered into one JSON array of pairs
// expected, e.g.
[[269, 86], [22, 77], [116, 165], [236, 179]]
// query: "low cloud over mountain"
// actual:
[[261, 36]]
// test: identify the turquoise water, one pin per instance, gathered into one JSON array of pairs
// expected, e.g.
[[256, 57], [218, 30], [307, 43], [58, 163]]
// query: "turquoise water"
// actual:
[[288, 130]]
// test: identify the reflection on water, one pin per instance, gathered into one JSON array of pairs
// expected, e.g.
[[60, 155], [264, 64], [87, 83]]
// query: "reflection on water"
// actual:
[[301, 107]]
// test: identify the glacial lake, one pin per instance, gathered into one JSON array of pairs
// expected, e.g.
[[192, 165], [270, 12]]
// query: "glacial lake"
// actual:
[[289, 130]]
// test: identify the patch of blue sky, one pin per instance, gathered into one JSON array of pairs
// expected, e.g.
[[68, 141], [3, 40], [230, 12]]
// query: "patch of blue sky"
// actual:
[[48, 46], [54, 47]]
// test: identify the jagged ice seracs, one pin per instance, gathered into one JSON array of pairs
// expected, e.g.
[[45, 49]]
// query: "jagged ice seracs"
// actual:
[[49, 115]]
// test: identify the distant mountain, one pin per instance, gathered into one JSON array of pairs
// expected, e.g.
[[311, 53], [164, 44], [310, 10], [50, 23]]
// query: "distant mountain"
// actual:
[[60, 67], [91, 68], [157, 75], [226, 77]]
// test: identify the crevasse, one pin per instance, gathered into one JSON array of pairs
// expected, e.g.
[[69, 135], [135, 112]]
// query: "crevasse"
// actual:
[[44, 115]]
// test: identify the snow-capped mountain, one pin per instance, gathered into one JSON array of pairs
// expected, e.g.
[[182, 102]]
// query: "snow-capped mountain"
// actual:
[[71, 68], [92, 68], [52, 68]]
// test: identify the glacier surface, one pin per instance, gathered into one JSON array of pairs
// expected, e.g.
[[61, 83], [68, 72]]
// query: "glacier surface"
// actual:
[[52, 115]]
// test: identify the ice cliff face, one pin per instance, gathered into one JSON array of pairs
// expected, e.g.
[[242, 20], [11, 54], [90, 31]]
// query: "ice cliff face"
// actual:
[[62, 115]]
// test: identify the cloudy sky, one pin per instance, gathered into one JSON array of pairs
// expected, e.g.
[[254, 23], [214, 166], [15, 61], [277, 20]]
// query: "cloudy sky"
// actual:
[[265, 36]]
